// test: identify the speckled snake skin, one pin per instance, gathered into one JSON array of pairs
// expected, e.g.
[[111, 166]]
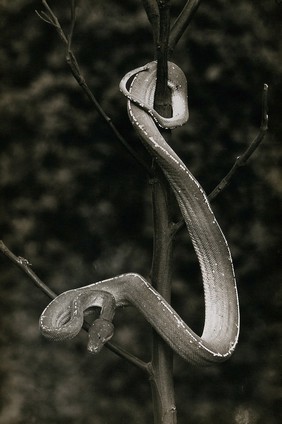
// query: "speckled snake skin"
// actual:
[[221, 327]]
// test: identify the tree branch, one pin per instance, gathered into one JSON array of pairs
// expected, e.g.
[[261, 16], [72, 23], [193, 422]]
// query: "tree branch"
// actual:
[[243, 159], [162, 356], [152, 10], [51, 19], [162, 101], [182, 22]]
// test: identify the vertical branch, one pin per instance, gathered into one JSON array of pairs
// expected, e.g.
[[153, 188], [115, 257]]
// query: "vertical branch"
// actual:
[[152, 10], [162, 102], [162, 357]]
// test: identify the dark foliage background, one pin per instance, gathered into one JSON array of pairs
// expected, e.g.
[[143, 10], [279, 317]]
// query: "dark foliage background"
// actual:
[[77, 206]]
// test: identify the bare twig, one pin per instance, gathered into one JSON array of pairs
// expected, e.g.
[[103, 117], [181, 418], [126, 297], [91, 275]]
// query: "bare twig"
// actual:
[[152, 10], [51, 19], [243, 159], [182, 23], [25, 266], [162, 101], [73, 20]]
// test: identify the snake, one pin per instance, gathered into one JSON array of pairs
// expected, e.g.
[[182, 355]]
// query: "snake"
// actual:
[[222, 318]]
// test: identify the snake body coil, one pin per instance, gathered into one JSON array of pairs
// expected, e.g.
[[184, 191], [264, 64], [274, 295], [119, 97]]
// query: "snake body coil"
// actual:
[[221, 328]]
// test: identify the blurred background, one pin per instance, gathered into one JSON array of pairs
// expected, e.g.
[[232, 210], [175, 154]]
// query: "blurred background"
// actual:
[[77, 206]]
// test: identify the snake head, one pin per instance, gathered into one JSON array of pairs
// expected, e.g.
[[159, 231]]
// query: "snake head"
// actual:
[[99, 333]]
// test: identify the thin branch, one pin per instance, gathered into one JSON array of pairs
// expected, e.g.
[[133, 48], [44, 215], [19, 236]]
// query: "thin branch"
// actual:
[[152, 10], [243, 159], [73, 20], [51, 18], [240, 160], [42, 15], [182, 22], [25, 266], [162, 100]]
